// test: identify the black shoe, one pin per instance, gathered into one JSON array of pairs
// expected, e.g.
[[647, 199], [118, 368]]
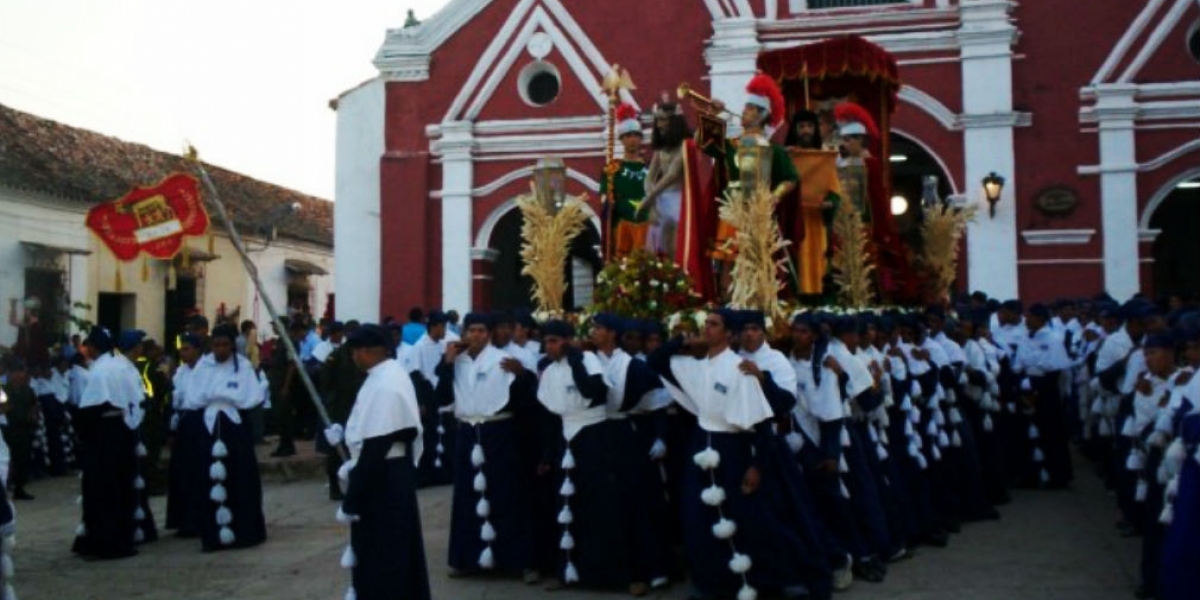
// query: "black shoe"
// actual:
[[282, 452], [21, 494], [336, 494]]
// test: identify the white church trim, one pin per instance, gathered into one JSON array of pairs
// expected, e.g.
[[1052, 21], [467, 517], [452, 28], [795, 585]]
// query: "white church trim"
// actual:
[[1169, 22], [954, 189], [945, 117], [405, 53], [1160, 196], [527, 18], [1057, 237], [987, 35]]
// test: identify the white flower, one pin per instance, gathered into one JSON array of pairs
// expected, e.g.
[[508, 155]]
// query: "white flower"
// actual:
[[724, 529], [713, 495], [707, 459], [740, 563]]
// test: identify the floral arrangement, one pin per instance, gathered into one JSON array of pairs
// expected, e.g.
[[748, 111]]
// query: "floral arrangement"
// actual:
[[644, 286]]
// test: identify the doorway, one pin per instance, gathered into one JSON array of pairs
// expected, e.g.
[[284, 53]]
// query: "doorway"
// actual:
[[512, 290], [115, 312], [1176, 269], [47, 286], [179, 304]]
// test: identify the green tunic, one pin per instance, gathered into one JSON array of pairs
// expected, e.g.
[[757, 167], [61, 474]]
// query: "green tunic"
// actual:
[[629, 186]]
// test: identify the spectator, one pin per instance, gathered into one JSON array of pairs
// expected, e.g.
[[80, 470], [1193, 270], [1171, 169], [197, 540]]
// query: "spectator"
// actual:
[[415, 328]]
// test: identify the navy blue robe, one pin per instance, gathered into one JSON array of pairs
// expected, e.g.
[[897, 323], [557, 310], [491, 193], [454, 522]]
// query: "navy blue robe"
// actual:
[[109, 463], [387, 541], [1180, 575], [243, 488], [187, 491]]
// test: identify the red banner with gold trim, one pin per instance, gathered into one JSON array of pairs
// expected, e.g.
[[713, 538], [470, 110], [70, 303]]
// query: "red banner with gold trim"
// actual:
[[153, 220]]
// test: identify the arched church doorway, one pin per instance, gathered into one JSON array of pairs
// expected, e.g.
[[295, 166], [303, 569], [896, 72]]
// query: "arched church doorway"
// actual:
[[511, 289], [918, 178], [1176, 249]]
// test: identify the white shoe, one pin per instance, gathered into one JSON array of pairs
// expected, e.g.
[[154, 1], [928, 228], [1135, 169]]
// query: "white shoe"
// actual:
[[843, 578]]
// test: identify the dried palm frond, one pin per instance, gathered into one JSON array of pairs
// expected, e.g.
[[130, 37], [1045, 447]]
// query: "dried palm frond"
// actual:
[[851, 263], [761, 251], [942, 231], [546, 239]]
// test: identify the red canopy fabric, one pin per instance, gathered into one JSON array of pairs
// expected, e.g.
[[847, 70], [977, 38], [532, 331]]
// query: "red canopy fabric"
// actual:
[[839, 66]]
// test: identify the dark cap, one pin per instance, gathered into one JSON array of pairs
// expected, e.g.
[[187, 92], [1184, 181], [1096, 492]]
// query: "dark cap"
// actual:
[[436, 317], [755, 318], [610, 322], [369, 335], [476, 319], [130, 338], [730, 318], [100, 339], [1163, 341], [226, 330], [558, 328]]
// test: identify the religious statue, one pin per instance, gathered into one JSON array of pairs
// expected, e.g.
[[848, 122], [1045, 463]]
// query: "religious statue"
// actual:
[[628, 225], [664, 182], [820, 194]]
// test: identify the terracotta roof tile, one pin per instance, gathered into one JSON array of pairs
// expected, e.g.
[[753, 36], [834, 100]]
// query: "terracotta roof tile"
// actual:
[[77, 164]]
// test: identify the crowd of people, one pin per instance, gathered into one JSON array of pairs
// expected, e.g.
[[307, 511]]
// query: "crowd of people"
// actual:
[[792, 465], [744, 456]]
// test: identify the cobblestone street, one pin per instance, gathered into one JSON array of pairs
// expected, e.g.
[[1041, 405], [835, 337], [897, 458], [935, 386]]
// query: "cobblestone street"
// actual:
[[1048, 545]]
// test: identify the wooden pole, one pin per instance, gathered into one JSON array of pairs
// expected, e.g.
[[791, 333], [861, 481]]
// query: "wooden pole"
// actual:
[[215, 200]]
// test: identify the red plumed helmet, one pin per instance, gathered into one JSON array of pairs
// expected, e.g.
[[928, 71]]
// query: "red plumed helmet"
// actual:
[[848, 113], [765, 87], [626, 112]]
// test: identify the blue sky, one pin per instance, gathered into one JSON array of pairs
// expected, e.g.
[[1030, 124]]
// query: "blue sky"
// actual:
[[247, 81]]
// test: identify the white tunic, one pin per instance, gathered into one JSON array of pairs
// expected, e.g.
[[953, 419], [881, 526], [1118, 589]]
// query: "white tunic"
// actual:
[[386, 403], [480, 385], [184, 397], [79, 379], [219, 387], [116, 381], [774, 362], [60, 386], [722, 397], [559, 394], [815, 403]]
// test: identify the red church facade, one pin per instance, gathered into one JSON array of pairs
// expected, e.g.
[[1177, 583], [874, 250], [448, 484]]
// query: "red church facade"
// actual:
[[1074, 102]]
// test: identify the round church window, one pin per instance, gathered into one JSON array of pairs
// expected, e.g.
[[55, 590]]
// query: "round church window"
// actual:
[[539, 83], [1193, 41]]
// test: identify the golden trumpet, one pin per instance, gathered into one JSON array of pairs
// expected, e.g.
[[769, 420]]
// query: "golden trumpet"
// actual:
[[701, 102]]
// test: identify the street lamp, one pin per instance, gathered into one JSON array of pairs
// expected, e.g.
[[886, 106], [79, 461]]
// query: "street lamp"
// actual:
[[993, 185], [550, 182]]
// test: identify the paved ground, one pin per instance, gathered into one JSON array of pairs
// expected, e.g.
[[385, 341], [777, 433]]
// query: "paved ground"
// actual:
[[1049, 545]]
